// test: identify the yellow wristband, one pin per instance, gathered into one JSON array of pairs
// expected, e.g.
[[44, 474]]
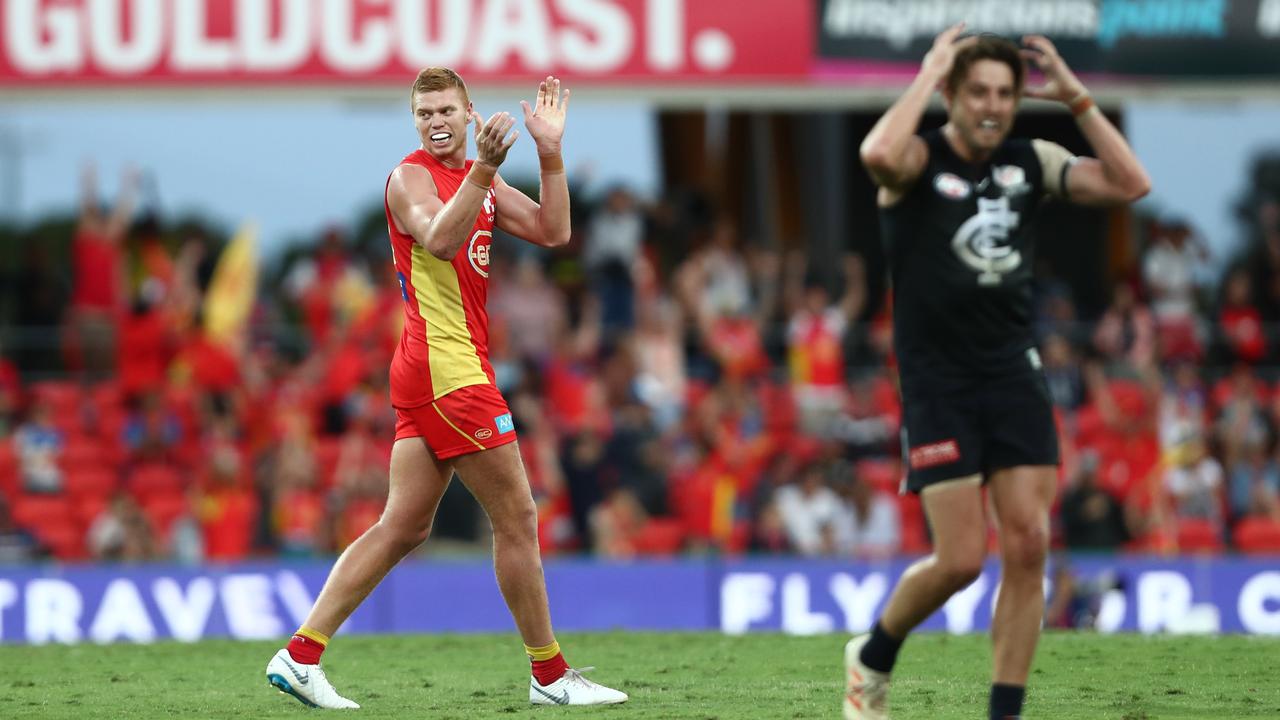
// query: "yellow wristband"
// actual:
[[551, 163], [481, 175]]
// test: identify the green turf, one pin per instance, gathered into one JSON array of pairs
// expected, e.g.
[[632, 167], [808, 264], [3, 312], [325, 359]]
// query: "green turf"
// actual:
[[669, 676]]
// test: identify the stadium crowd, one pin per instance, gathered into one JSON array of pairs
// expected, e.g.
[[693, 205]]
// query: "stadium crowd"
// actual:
[[675, 386]]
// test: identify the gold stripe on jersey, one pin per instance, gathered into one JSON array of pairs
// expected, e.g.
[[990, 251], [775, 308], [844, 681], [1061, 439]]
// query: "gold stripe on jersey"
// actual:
[[452, 359]]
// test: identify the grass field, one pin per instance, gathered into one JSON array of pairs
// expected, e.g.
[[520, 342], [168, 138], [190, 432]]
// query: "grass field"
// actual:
[[669, 676]]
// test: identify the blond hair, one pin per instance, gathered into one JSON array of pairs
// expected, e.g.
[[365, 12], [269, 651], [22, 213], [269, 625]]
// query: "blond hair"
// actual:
[[434, 79]]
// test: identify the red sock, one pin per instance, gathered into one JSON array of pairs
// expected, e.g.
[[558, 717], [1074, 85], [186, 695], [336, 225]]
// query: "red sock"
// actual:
[[549, 671], [305, 650]]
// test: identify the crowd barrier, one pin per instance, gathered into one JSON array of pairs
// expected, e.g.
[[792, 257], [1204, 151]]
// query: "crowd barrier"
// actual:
[[259, 600]]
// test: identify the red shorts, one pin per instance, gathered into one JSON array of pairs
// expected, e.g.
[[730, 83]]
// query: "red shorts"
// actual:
[[467, 420]]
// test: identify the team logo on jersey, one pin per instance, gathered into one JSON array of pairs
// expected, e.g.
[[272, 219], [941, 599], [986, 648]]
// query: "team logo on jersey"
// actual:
[[490, 205], [484, 434], [952, 186], [1011, 178], [478, 251], [980, 241]]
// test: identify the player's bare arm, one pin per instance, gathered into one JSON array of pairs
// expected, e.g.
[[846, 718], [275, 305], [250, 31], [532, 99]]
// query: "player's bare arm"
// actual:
[[442, 228], [113, 225], [892, 152], [545, 222], [122, 213], [1115, 176]]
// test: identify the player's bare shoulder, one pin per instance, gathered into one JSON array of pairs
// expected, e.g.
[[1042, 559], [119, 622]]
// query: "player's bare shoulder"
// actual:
[[409, 189], [897, 179]]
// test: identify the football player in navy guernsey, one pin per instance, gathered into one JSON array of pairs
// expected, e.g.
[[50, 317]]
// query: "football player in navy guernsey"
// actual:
[[955, 207]]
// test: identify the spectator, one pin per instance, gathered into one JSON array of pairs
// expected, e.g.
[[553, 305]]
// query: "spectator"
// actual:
[[228, 508], [816, 518], [1062, 373], [613, 244], [328, 286], [145, 346], [715, 280], [39, 445], [1126, 333], [122, 533], [870, 420], [531, 311], [1240, 322], [152, 432], [1091, 518], [1255, 481], [661, 377], [10, 395], [1169, 271], [815, 342], [1194, 483], [98, 300], [877, 522]]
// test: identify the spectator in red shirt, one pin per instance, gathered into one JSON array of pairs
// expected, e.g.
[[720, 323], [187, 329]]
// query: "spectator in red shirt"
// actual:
[[1240, 321], [145, 348], [10, 392], [815, 341], [98, 299]]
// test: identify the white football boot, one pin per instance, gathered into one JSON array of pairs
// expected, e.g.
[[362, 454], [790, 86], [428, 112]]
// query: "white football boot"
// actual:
[[307, 683], [866, 691], [573, 689]]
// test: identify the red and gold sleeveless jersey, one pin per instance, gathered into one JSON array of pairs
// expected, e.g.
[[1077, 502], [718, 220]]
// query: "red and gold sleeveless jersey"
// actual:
[[445, 342]]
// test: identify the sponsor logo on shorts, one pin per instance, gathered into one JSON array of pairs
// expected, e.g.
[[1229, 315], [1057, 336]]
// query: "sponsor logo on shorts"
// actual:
[[504, 424], [483, 434], [939, 453], [952, 186]]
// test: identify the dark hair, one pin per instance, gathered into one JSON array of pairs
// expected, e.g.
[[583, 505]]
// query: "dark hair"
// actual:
[[988, 47]]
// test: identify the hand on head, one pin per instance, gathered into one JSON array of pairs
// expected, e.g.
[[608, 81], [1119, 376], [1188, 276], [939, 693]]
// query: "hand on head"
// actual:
[[1060, 83]]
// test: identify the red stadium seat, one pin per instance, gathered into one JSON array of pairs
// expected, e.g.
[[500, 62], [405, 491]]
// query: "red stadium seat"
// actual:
[[1257, 535], [62, 395], [99, 480], [1198, 536], [64, 538], [162, 509], [882, 474], [107, 396], [85, 509], [31, 511], [82, 451], [150, 480], [8, 469]]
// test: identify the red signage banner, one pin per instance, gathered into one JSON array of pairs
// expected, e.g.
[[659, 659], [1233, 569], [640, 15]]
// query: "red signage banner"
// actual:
[[285, 42]]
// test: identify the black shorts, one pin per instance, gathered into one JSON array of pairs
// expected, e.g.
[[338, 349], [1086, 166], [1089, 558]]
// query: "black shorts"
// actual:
[[979, 429]]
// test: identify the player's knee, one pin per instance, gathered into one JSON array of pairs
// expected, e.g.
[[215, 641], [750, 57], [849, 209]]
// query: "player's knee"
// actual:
[[406, 536], [518, 523], [1024, 548], [961, 570]]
